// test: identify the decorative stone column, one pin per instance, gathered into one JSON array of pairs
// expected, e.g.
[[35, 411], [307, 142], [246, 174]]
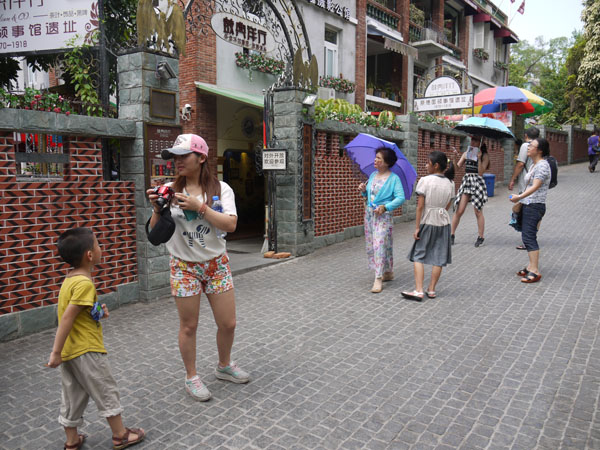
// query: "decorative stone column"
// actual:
[[294, 234], [137, 76]]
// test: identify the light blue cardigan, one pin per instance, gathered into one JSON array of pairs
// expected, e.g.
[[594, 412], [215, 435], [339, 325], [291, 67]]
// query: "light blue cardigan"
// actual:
[[391, 194]]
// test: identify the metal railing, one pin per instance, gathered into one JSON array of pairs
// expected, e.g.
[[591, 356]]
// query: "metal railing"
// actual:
[[382, 14]]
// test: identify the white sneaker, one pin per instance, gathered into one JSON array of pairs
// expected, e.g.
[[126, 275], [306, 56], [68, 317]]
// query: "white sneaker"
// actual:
[[196, 389], [232, 373]]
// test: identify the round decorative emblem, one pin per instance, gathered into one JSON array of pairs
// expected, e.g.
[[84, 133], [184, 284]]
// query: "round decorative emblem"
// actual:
[[248, 126]]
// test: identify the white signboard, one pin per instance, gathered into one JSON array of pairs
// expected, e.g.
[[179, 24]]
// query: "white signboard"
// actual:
[[445, 102], [242, 32], [38, 25], [442, 86], [274, 159]]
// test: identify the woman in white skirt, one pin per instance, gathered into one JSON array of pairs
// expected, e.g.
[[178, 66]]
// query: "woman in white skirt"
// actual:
[[432, 234]]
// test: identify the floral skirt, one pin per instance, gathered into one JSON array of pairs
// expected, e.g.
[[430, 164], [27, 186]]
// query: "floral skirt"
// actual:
[[378, 236]]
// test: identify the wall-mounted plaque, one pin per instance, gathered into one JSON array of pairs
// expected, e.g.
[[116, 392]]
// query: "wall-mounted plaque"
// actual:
[[156, 139], [163, 104]]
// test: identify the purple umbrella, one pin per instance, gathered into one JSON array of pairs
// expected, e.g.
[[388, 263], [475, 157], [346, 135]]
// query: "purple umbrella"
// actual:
[[362, 152]]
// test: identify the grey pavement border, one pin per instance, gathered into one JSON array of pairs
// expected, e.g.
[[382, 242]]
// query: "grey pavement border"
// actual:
[[490, 364]]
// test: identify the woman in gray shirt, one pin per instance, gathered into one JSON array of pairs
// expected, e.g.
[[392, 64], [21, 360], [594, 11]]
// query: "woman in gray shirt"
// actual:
[[533, 200]]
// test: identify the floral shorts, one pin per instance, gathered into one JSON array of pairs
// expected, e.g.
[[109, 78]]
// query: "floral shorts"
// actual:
[[191, 278]]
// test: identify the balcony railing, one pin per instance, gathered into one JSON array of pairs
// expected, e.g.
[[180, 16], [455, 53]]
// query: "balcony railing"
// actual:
[[383, 14]]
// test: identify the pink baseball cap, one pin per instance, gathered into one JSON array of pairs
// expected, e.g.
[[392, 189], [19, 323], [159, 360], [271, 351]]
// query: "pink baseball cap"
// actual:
[[184, 144]]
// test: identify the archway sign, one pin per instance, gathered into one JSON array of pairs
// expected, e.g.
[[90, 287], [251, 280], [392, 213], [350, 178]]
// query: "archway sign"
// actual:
[[275, 26], [452, 90]]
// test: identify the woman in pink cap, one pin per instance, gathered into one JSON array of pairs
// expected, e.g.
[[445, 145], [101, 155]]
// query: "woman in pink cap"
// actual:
[[199, 259]]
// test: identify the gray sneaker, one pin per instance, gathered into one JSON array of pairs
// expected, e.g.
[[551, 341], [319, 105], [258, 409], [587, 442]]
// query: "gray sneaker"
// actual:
[[479, 241], [196, 389], [232, 373]]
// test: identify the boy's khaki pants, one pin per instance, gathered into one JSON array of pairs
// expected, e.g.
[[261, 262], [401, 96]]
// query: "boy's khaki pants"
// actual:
[[83, 377]]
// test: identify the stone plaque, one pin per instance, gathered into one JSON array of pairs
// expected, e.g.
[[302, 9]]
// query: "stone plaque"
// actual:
[[163, 104]]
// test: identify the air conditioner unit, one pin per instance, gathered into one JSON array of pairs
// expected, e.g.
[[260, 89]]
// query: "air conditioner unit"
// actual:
[[326, 93]]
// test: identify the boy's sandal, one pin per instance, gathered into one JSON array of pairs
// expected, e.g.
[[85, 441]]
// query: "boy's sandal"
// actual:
[[124, 442], [414, 295], [531, 278], [77, 446], [523, 272], [521, 247], [431, 294]]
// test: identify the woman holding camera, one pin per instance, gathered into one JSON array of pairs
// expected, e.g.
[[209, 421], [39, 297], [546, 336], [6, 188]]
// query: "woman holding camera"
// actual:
[[533, 199], [199, 259]]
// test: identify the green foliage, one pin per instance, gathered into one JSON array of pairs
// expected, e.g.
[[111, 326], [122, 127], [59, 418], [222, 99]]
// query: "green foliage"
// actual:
[[343, 111], [33, 99], [84, 78], [588, 76]]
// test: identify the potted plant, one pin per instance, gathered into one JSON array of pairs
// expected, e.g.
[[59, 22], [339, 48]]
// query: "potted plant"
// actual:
[[370, 88], [416, 15], [481, 54]]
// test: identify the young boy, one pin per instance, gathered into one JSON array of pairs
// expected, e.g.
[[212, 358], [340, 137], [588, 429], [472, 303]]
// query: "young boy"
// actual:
[[79, 346]]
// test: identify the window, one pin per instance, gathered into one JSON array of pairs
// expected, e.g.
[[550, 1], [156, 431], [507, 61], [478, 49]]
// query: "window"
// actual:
[[451, 19], [40, 155], [499, 50], [479, 37], [331, 53]]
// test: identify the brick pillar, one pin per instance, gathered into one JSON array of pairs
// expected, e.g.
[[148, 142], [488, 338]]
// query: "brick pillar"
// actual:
[[437, 13], [361, 53], [463, 38]]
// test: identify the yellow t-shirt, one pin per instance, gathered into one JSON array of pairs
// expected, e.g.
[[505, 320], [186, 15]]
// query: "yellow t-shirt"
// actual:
[[86, 334]]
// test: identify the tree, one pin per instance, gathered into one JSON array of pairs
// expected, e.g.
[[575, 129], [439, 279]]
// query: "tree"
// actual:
[[589, 72], [583, 102]]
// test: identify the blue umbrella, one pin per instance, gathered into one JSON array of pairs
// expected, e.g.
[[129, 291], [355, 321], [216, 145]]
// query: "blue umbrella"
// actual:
[[484, 126], [362, 152]]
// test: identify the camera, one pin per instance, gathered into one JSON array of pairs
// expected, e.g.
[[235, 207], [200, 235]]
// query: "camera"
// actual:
[[165, 195]]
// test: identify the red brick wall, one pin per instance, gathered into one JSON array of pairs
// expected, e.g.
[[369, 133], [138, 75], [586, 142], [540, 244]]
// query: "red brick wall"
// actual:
[[430, 141], [200, 64], [338, 204], [559, 147], [360, 74], [580, 146], [34, 214]]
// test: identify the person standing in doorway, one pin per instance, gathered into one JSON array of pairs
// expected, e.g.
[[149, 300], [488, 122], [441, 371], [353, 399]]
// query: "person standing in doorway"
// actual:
[[522, 166]]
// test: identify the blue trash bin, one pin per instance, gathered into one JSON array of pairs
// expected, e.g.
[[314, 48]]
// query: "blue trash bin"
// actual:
[[490, 180]]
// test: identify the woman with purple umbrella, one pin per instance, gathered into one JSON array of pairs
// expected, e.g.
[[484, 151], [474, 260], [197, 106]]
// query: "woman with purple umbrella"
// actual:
[[383, 194]]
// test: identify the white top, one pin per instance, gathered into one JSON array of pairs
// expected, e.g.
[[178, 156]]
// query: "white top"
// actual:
[[196, 240], [438, 191], [522, 157]]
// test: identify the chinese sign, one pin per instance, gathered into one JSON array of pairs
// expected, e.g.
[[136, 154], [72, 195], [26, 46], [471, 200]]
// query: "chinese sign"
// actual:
[[37, 25], [329, 5], [444, 102], [242, 32], [442, 86], [274, 159], [157, 138]]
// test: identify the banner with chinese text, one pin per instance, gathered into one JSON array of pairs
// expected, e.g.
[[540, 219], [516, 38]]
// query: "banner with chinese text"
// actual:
[[43, 25]]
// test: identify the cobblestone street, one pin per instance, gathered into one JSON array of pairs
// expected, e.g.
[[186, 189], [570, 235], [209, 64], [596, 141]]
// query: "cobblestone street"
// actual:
[[492, 363]]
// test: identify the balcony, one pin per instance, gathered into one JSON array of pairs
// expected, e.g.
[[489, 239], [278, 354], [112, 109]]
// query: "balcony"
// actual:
[[382, 14], [430, 40]]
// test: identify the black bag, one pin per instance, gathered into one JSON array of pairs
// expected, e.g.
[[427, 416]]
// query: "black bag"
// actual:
[[553, 171], [163, 230]]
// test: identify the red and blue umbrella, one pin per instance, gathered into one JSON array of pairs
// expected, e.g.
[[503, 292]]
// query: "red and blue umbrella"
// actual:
[[509, 98], [361, 151]]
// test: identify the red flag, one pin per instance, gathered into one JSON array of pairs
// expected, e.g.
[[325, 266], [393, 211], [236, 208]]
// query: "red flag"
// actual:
[[521, 8]]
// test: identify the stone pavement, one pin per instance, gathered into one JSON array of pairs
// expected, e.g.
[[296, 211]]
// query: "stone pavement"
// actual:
[[491, 364]]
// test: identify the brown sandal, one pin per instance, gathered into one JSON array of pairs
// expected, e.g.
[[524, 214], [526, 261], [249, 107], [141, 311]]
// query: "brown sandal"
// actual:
[[78, 445], [124, 442]]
